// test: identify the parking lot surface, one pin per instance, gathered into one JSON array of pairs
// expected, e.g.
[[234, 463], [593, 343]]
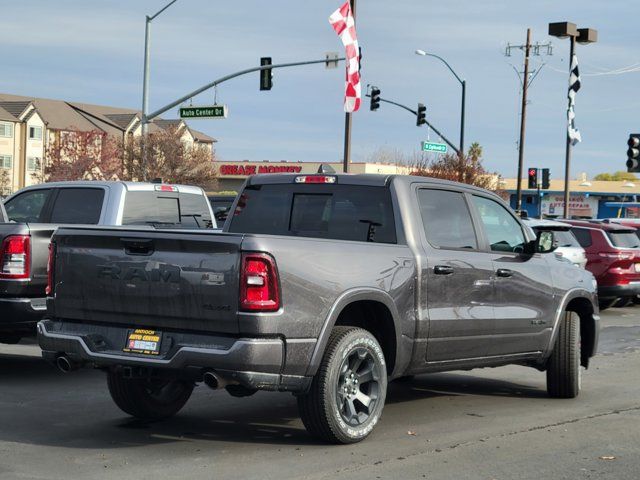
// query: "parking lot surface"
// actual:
[[481, 424]]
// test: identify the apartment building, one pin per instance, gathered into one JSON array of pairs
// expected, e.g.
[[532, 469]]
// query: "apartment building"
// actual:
[[29, 124]]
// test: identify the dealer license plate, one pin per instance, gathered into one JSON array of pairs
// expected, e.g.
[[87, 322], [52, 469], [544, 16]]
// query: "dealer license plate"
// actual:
[[146, 342]]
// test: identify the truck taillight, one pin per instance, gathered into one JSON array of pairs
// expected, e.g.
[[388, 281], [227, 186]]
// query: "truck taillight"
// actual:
[[50, 268], [15, 257], [259, 285]]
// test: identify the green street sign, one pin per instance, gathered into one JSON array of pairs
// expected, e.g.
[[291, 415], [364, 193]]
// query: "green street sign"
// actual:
[[211, 111], [434, 147]]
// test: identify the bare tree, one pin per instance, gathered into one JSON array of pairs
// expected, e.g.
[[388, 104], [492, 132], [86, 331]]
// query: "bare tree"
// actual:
[[465, 168]]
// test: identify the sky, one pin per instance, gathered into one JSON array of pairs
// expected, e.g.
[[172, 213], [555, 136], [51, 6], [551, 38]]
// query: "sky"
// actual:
[[92, 51]]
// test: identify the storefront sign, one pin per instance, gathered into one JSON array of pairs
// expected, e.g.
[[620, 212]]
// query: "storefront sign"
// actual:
[[579, 205], [245, 170]]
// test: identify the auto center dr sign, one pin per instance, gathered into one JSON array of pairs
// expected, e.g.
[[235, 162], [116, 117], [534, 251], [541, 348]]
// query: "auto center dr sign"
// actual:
[[579, 204], [243, 170]]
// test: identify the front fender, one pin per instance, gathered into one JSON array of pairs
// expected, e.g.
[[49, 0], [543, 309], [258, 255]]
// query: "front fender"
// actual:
[[593, 319], [347, 298]]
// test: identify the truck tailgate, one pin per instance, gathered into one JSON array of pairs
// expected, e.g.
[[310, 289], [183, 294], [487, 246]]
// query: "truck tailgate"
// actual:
[[160, 279]]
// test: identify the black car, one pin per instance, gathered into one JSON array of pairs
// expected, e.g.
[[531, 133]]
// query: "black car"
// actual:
[[221, 204]]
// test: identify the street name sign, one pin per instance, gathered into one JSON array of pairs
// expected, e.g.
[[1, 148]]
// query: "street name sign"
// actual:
[[210, 111], [434, 147]]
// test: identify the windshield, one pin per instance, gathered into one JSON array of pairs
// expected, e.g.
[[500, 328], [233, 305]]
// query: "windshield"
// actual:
[[624, 239]]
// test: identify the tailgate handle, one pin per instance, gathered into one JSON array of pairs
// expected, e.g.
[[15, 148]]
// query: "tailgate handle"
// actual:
[[137, 246]]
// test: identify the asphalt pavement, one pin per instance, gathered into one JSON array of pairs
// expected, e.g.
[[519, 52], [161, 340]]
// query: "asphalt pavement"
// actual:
[[481, 424]]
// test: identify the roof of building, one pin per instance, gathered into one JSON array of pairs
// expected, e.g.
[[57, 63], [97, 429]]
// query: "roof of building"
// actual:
[[61, 115], [578, 186], [6, 116]]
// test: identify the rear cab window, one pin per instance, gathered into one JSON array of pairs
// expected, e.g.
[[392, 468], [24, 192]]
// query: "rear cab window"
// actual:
[[339, 212], [166, 209]]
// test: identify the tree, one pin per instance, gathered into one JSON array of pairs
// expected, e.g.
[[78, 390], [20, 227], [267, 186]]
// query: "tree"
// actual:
[[465, 168], [5, 182], [170, 158], [618, 176], [75, 155]]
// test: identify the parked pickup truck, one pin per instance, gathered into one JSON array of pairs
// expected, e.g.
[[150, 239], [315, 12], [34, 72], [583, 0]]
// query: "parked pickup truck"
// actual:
[[35, 212], [327, 286]]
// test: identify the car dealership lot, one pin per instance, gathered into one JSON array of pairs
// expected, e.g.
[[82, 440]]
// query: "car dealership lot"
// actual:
[[490, 423]]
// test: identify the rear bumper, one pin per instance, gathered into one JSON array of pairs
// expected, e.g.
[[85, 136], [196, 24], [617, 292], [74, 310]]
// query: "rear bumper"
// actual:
[[630, 289], [20, 315], [251, 362]]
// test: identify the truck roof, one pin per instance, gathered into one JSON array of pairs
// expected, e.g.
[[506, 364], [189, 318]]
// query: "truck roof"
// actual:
[[129, 186], [366, 179]]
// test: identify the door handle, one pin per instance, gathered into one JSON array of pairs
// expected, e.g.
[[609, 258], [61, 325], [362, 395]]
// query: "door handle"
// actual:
[[504, 273], [442, 270]]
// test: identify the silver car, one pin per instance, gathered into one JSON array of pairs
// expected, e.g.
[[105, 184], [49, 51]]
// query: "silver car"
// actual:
[[568, 246]]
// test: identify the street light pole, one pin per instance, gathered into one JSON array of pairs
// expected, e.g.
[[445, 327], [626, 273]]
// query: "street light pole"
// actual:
[[144, 123], [585, 36], [463, 84]]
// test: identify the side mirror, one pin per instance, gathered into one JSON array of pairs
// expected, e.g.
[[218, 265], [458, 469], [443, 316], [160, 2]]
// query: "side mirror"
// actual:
[[546, 242]]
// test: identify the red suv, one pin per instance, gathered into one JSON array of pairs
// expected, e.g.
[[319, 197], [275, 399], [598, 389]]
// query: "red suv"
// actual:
[[613, 256]]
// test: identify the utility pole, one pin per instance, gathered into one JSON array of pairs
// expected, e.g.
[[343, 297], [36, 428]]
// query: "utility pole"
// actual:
[[527, 47], [347, 119]]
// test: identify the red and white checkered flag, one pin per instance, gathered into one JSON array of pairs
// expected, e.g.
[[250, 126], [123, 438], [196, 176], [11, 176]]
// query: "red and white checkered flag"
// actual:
[[344, 24]]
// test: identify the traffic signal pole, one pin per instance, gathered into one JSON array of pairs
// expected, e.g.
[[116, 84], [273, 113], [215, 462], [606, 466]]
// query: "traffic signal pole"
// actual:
[[567, 158]]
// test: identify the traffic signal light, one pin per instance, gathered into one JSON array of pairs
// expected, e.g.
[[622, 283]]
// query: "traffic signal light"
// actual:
[[533, 178], [421, 117], [375, 98], [266, 77], [633, 153], [546, 179]]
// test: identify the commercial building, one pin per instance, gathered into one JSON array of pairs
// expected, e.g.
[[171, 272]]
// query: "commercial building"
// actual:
[[29, 124], [231, 175], [588, 198]]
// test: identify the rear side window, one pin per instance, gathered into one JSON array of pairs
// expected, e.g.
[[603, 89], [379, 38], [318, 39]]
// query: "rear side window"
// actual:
[[624, 239], [446, 219], [584, 236], [166, 209], [340, 212], [27, 207], [78, 206]]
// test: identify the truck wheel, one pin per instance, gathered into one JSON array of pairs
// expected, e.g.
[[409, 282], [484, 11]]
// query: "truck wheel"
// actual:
[[11, 339], [149, 399], [563, 370], [348, 391]]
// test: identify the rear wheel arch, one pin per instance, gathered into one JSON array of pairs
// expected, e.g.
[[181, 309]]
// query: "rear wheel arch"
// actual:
[[372, 310]]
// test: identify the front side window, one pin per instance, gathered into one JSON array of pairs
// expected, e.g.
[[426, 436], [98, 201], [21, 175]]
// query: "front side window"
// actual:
[[78, 206], [35, 133], [6, 129], [27, 207], [446, 219], [502, 229], [6, 161]]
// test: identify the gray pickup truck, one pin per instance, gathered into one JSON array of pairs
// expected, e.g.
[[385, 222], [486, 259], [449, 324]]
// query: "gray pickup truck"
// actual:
[[327, 286], [35, 212]]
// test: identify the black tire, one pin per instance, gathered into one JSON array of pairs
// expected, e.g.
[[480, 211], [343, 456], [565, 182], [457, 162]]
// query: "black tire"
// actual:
[[603, 304], [348, 392], [10, 339], [563, 369], [622, 302], [148, 399], [636, 300]]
